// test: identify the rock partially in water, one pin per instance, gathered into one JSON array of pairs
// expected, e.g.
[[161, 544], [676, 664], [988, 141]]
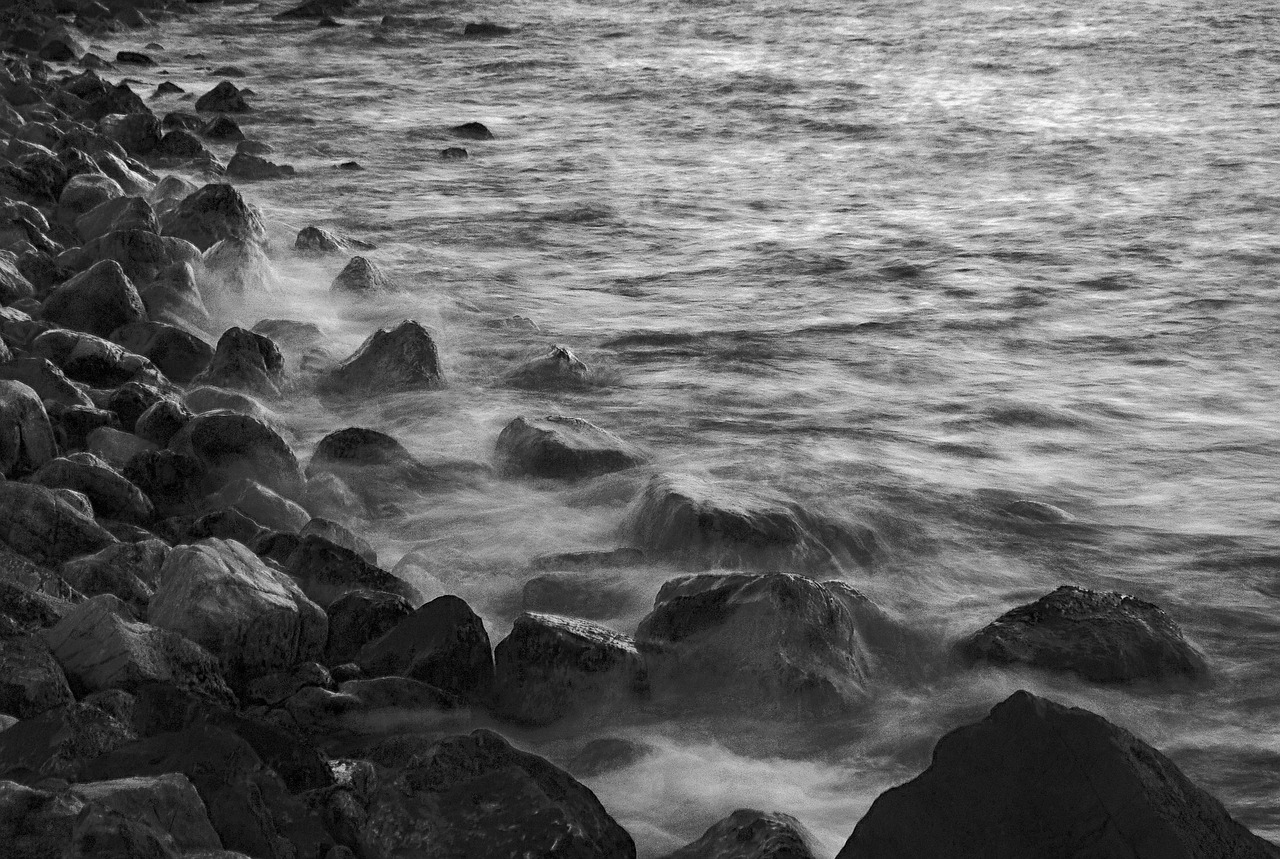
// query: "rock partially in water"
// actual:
[[223, 98], [1053, 782], [751, 834], [225, 524], [317, 9], [552, 667], [360, 276], [174, 297], [111, 494], [454, 153], [45, 526], [247, 361], [558, 369], [98, 300], [374, 706], [31, 680], [359, 617], [26, 436], [117, 213], [339, 535], [403, 358], [485, 30], [319, 240], [327, 571], [233, 268], [253, 167], [1102, 636], [563, 448], [472, 131], [214, 213], [233, 446], [443, 643]]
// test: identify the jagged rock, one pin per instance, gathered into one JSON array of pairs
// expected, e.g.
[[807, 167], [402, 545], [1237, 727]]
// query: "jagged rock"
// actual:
[[179, 143], [552, 667], [126, 173], [175, 351], [174, 297], [138, 133], [701, 525], [1053, 782], [161, 422], [165, 804], [326, 571], [275, 689], [57, 742], [591, 595], [31, 681], [62, 44], [233, 446], [72, 425], [750, 834], [359, 617], [173, 481], [45, 526], [36, 823], [116, 447], [247, 361], [315, 239], [235, 267], [129, 571], [558, 369], [222, 128], [98, 300], [223, 98], [360, 276], [94, 360], [472, 131], [26, 437], [392, 359], [562, 447], [245, 166], [443, 643], [221, 596], [114, 214], [13, 285], [1104, 637], [214, 213], [777, 642], [476, 795], [111, 494], [261, 504]]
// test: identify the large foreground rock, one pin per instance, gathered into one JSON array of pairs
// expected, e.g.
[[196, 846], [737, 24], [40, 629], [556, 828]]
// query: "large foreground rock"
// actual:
[[98, 300], [26, 437], [246, 361], [1102, 636], [750, 834], [214, 213], [1039, 779], [46, 526], [443, 643], [392, 359], [562, 447], [234, 446]]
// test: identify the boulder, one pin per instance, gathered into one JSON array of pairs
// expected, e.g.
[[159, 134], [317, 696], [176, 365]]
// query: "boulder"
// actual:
[[552, 667], [207, 398], [138, 133], [14, 286], [233, 446], [131, 399], [59, 741], [225, 524], [142, 254], [179, 144], [32, 597], [115, 99], [129, 571], [45, 526], [1053, 782], [318, 240], [94, 360], [476, 795], [235, 267], [377, 467], [174, 297], [777, 642], [126, 173], [750, 834], [214, 213], [472, 131], [559, 369], [1104, 637], [247, 361], [117, 213], [361, 276], [161, 422], [339, 536], [175, 482], [373, 706], [31, 681], [253, 167], [83, 193], [222, 128], [260, 504], [98, 300], [223, 98], [392, 359], [36, 824], [63, 44], [47, 380], [562, 447], [359, 617], [701, 525], [593, 595], [443, 643], [327, 571], [176, 352], [274, 689], [166, 804], [221, 596], [115, 447], [110, 493], [26, 437]]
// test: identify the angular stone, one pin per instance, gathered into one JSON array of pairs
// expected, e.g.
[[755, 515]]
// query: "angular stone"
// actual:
[[214, 213], [167, 803], [260, 504], [562, 447], [111, 494], [58, 742], [359, 617], [115, 214], [98, 301], [751, 834], [94, 360], [326, 571], [161, 422], [26, 437], [233, 446], [31, 681], [223, 98], [391, 359], [14, 286], [245, 360], [45, 526], [361, 276], [443, 643], [129, 571], [559, 369]]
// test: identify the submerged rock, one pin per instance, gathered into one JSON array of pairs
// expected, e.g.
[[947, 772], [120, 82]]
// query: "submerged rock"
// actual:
[[1053, 782], [318, 240], [392, 359], [223, 98], [472, 131], [562, 447], [750, 834], [174, 297]]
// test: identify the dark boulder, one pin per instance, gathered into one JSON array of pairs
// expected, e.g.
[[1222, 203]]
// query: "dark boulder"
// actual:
[[63, 44], [98, 301], [594, 595], [131, 399], [174, 298], [58, 742], [454, 153], [45, 526], [485, 30], [129, 571], [562, 447], [181, 120], [559, 369], [443, 643], [115, 447], [361, 276], [31, 681], [161, 422], [339, 535], [82, 194], [472, 131], [180, 144], [134, 58], [47, 380], [233, 268], [318, 240], [261, 504], [371, 463], [214, 213], [359, 617], [137, 133], [375, 706], [326, 572], [128, 174], [176, 352], [223, 98], [14, 286], [1052, 782], [606, 754], [225, 524], [750, 834], [115, 99], [167, 88], [245, 360], [93, 360], [233, 446], [255, 167], [392, 359], [26, 437], [173, 481], [116, 213], [317, 9], [111, 494]]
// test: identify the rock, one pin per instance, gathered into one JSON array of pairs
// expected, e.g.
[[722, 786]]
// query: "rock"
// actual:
[[359, 617], [167, 88], [101, 646], [31, 681], [13, 285], [315, 239], [1104, 637], [454, 153], [134, 58], [607, 754], [359, 455], [339, 536], [126, 174], [142, 254], [262, 505], [180, 144], [36, 823], [213, 213], [45, 526], [392, 359], [275, 689], [161, 422], [130, 400], [562, 447], [175, 351], [326, 571], [93, 360], [116, 447], [472, 131], [181, 120], [317, 9], [175, 298], [778, 643], [129, 571], [226, 524], [111, 494], [247, 361], [750, 834], [590, 559], [233, 446], [209, 399], [26, 437], [98, 301], [173, 481], [254, 147], [244, 166], [701, 525], [483, 30], [298, 764], [476, 795], [32, 597], [57, 742], [558, 369], [373, 706], [233, 268], [221, 596], [360, 276], [63, 44], [443, 643], [166, 804], [582, 594], [72, 425], [552, 667], [138, 133], [224, 98], [1054, 782], [83, 194]]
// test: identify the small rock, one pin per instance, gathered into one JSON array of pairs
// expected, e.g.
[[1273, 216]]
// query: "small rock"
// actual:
[[244, 166], [562, 447], [559, 369], [167, 88], [484, 30], [361, 276], [347, 165], [750, 834], [454, 153]]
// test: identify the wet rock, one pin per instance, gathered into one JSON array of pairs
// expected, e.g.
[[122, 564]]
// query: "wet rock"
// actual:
[[26, 437], [174, 297], [63, 44], [134, 58], [317, 9], [1036, 512], [180, 144], [46, 526], [167, 88], [161, 422], [360, 276], [233, 268], [350, 165], [476, 795], [701, 525], [142, 254], [253, 167], [777, 643], [31, 681], [233, 446], [552, 667], [454, 153], [117, 213], [262, 505], [175, 351], [750, 834], [111, 494], [129, 571], [221, 596], [98, 301], [82, 194], [359, 617], [339, 535], [173, 481], [72, 425], [131, 399], [116, 447], [181, 120], [326, 571], [127, 174], [592, 595], [558, 369], [223, 98], [1054, 782], [93, 360], [214, 213], [275, 689], [138, 133], [1102, 636], [208, 399], [57, 742], [607, 754], [374, 706], [562, 447], [589, 559], [484, 30], [247, 361], [316, 239], [443, 643], [472, 131], [392, 359]]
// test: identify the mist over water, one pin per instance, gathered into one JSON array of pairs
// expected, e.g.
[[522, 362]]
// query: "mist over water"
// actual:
[[899, 263]]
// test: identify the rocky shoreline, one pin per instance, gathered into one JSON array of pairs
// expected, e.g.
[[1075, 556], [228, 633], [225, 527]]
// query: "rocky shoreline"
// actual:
[[202, 656]]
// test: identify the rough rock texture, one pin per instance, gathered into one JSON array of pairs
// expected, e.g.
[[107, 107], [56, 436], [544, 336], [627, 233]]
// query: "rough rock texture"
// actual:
[[392, 359], [319, 240], [60, 740], [245, 166], [245, 361], [1035, 778], [233, 268], [234, 446], [223, 98], [166, 804], [562, 447], [339, 535], [592, 595], [443, 643], [173, 481], [13, 285], [31, 681], [26, 437], [1102, 636], [369, 461], [130, 571], [476, 795], [558, 369], [374, 706], [750, 834], [161, 421], [361, 276], [93, 360], [327, 571], [98, 300], [178, 353], [221, 596], [111, 494], [777, 641], [46, 379], [701, 525], [551, 667], [359, 617], [117, 213], [45, 526], [115, 447], [214, 213], [260, 504], [174, 297], [131, 399]]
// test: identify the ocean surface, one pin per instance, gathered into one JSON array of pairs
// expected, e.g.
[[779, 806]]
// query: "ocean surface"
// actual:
[[900, 262]]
